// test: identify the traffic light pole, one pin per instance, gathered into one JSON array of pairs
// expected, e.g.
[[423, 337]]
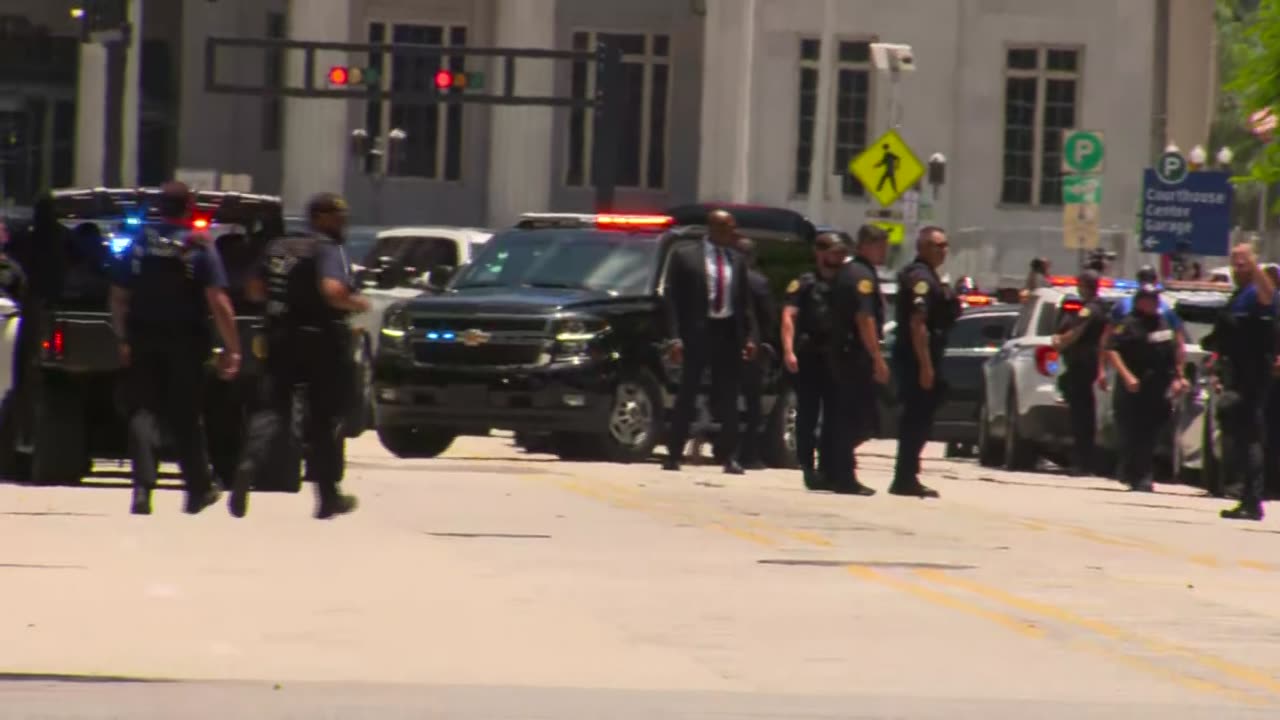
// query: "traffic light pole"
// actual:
[[605, 103]]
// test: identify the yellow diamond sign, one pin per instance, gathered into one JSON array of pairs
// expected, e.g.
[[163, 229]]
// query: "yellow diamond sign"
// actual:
[[897, 231], [887, 168]]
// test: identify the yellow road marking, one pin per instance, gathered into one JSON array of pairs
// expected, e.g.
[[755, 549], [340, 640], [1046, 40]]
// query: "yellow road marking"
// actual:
[[1239, 672], [1190, 682], [942, 599]]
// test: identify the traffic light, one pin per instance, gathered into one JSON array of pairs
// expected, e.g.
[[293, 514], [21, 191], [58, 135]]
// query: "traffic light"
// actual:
[[447, 80], [344, 76]]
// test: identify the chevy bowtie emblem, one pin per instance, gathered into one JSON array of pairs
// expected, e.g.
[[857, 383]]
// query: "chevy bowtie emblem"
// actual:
[[473, 337]]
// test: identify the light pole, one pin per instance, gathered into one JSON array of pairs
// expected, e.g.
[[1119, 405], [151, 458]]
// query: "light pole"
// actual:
[[377, 158]]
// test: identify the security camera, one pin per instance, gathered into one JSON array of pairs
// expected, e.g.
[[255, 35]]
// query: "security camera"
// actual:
[[891, 57]]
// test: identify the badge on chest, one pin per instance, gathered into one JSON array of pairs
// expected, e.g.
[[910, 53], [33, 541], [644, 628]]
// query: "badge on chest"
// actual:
[[1160, 336]]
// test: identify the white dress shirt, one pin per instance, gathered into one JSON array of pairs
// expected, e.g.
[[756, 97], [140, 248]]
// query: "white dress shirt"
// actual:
[[711, 252]]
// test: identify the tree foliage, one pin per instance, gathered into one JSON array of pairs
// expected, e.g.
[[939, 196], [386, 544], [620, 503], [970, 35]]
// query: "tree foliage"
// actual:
[[1251, 66]]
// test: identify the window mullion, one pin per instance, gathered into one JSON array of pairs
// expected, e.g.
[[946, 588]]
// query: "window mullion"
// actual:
[[1037, 142], [646, 118], [589, 123]]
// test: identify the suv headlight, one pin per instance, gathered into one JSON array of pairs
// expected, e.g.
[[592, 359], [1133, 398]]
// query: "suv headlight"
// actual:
[[395, 322], [578, 330]]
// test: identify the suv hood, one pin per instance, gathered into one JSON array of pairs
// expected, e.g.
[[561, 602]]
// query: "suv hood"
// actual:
[[507, 300]]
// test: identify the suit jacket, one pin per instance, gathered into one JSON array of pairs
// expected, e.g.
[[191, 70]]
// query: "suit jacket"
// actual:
[[686, 296], [766, 311]]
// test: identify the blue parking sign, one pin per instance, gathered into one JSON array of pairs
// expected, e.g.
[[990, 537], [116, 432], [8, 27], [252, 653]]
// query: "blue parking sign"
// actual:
[[1186, 212]]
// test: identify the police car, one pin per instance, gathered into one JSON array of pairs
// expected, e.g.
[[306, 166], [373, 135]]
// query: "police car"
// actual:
[[73, 407], [557, 329]]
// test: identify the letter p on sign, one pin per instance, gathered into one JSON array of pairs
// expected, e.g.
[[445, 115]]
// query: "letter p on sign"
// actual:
[[1082, 152]]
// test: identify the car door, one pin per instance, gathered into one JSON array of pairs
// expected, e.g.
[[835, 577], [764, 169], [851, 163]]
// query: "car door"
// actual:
[[973, 341], [999, 370]]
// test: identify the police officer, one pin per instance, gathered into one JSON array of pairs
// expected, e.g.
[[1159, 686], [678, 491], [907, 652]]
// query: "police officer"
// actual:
[[1142, 349], [857, 365], [925, 313], [1079, 340], [1271, 440], [1244, 338], [162, 294], [806, 333], [306, 283], [1124, 307]]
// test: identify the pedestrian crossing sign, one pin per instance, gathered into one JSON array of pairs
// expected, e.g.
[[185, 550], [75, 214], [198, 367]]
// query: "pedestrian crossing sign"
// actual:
[[887, 168], [897, 231]]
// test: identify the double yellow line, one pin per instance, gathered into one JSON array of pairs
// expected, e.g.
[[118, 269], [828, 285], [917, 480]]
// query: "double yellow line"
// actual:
[[1029, 618]]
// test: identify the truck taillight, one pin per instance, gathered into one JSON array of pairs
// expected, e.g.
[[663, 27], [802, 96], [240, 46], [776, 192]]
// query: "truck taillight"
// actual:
[[55, 345], [1047, 361]]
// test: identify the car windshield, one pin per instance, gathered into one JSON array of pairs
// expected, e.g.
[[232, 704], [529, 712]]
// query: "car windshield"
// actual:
[[614, 263]]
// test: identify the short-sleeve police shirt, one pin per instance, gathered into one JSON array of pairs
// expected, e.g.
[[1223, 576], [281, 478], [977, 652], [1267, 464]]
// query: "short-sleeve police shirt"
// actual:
[[1124, 306], [1083, 353], [207, 269], [857, 292], [1254, 349], [810, 295]]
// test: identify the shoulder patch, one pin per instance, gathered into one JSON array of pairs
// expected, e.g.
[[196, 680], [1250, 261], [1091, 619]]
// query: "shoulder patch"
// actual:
[[1084, 312], [864, 286], [921, 288], [794, 286]]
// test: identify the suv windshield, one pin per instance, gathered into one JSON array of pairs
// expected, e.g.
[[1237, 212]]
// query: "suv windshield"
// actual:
[[614, 263]]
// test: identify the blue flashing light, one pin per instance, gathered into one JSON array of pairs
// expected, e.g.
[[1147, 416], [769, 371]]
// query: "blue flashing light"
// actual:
[[119, 243], [1126, 284], [132, 220], [1053, 368], [450, 336], [433, 336]]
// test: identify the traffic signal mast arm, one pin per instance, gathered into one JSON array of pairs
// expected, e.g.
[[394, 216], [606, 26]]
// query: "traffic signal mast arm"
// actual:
[[606, 100]]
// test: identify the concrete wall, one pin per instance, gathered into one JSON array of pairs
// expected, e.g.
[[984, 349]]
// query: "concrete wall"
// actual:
[[1193, 73]]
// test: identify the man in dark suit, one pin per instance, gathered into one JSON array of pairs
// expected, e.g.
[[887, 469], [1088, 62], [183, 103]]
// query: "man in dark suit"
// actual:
[[712, 318], [754, 371]]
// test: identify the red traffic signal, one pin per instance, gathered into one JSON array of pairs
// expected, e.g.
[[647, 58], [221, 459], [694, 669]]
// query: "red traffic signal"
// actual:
[[338, 75], [444, 80]]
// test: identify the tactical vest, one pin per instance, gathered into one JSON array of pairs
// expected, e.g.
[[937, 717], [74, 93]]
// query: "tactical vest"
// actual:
[[292, 276], [1150, 351], [814, 320], [167, 301]]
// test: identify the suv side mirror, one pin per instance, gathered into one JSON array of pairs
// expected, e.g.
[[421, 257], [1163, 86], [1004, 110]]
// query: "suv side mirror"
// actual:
[[440, 275]]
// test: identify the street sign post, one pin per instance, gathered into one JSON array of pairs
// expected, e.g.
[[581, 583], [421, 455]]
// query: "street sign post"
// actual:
[[1185, 211], [1081, 189], [1082, 151], [887, 168], [1080, 226]]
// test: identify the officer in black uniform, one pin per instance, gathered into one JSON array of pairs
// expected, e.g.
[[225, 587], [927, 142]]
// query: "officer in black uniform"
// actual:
[[806, 333], [1079, 340], [1245, 340], [1271, 413], [1143, 351], [306, 283], [926, 311], [857, 365], [163, 291]]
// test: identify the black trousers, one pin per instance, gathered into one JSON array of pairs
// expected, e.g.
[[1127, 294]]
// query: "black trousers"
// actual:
[[167, 390], [720, 351], [753, 375], [1242, 427], [812, 381], [316, 364], [1141, 417], [1271, 443], [853, 419], [1077, 386], [915, 423]]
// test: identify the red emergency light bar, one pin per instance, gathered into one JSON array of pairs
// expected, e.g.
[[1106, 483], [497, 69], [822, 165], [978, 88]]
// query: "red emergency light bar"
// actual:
[[1106, 282], [633, 221], [976, 299], [200, 223]]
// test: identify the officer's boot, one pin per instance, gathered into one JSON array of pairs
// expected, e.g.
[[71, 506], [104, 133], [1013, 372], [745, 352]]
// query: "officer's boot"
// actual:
[[1244, 512], [812, 479], [200, 498], [141, 500], [333, 503]]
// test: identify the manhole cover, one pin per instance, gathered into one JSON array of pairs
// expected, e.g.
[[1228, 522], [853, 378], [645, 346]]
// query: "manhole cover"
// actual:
[[867, 563], [503, 536]]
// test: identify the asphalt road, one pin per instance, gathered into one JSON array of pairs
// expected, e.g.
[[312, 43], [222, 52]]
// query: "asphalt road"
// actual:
[[491, 584]]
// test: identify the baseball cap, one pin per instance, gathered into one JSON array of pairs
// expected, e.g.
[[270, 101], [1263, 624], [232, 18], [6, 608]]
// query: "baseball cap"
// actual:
[[1147, 290], [322, 203], [1147, 274]]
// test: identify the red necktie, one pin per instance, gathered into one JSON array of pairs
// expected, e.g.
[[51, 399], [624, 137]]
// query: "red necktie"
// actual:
[[719, 281]]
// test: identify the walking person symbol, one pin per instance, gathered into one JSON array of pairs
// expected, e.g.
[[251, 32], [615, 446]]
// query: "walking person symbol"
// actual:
[[890, 164]]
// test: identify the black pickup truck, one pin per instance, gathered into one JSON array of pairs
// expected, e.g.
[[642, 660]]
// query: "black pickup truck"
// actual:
[[70, 406], [557, 329]]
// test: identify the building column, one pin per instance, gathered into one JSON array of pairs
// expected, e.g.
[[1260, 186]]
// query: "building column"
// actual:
[[316, 132], [91, 116], [521, 137], [725, 81]]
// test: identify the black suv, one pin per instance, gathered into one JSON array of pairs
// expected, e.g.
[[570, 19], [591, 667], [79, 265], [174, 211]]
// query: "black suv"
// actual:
[[557, 329]]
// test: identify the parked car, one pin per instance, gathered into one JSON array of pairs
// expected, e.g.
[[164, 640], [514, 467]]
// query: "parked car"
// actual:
[[978, 334]]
